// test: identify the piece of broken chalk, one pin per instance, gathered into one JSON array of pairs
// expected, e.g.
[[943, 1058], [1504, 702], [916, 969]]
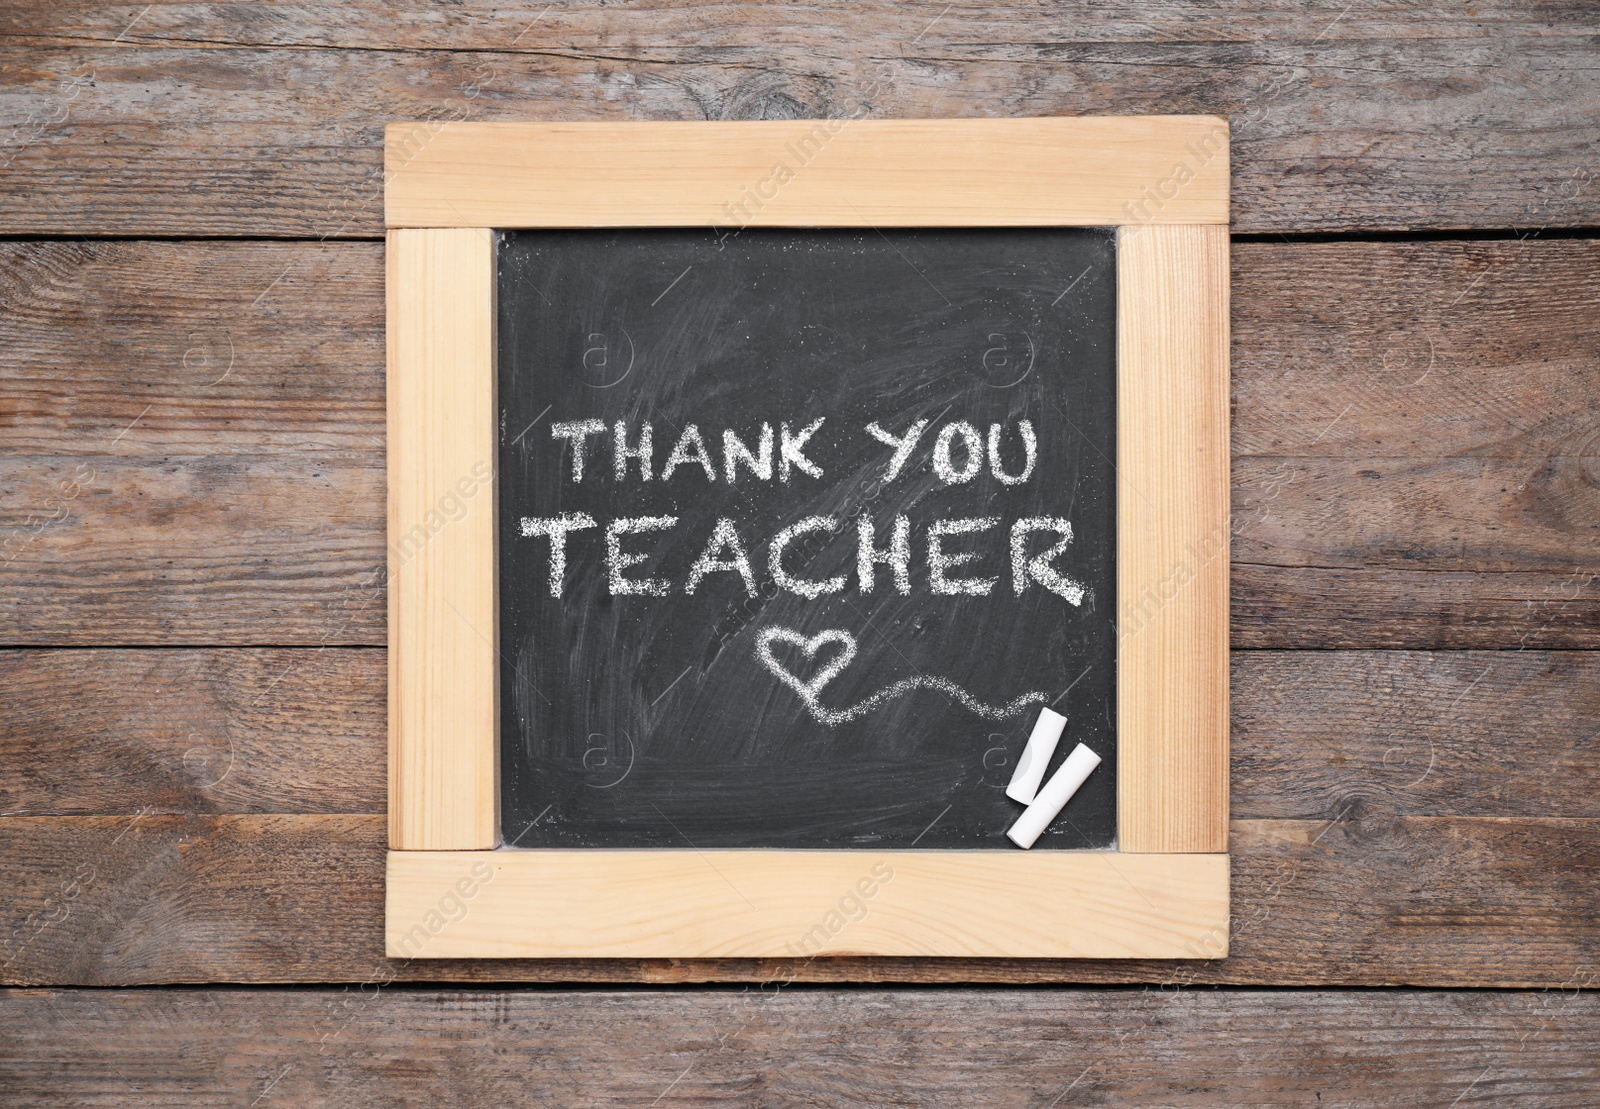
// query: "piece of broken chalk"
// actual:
[[1036, 756], [1054, 796]]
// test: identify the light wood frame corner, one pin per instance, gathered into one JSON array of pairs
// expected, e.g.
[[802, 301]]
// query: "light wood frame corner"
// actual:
[[1162, 181]]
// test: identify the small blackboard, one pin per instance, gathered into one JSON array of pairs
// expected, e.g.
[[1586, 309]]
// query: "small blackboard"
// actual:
[[920, 423]]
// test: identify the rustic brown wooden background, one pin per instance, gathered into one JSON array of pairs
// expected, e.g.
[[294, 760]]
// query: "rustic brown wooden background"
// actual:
[[192, 513]]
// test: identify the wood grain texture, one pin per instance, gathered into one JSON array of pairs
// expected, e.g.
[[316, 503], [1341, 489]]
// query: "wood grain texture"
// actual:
[[1457, 733], [441, 575], [1471, 733], [1320, 609], [554, 904], [203, 120], [676, 30], [1434, 414], [1485, 514], [226, 548], [1048, 171], [1193, 1048], [1365, 897], [1421, 350], [191, 348], [1477, 532], [1172, 538], [184, 731]]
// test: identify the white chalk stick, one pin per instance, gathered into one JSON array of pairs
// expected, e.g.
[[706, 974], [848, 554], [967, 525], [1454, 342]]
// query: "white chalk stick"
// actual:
[[1036, 756], [1054, 796]]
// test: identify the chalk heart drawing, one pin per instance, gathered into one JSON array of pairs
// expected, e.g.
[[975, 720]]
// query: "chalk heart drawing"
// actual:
[[811, 691], [807, 690]]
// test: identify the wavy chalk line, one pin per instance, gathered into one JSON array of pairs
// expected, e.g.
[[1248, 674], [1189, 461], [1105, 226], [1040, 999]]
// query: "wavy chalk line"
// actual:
[[809, 691], [906, 685]]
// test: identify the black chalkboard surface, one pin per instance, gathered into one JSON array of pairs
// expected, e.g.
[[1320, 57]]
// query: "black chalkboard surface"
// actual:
[[676, 404]]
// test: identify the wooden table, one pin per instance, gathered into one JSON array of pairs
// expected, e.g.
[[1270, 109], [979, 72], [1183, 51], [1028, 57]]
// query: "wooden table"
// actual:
[[192, 513]]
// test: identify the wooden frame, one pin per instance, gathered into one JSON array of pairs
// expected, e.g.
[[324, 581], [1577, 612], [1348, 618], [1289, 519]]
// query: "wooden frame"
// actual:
[[1163, 181], [442, 766]]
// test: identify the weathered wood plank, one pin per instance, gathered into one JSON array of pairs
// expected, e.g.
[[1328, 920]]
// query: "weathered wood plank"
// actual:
[[1417, 350], [1416, 451], [800, 1047], [241, 549], [1458, 733], [191, 348], [1463, 514], [1432, 403], [1369, 898], [673, 30], [132, 887], [191, 731], [1319, 609], [106, 732], [1332, 130]]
